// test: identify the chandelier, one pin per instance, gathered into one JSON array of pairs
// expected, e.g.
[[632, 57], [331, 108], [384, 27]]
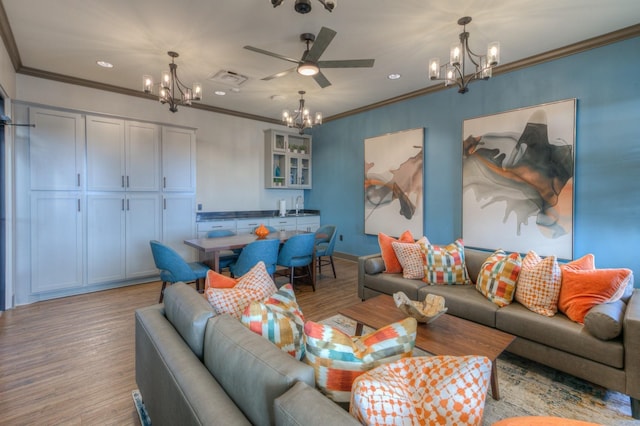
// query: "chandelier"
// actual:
[[171, 89], [453, 72], [301, 118], [304, 6]]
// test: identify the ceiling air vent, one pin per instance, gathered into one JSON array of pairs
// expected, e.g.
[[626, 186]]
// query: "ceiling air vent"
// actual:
[[229, 78]]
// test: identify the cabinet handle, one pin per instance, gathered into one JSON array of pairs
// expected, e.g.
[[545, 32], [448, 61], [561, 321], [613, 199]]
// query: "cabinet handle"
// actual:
[[164, 182], [127, 204], [78, 204], [122, 181], [127, 181], [123, 204], [78, 180], [164, 203]]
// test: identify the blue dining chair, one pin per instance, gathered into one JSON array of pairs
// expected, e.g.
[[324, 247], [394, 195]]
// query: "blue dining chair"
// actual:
[[227, 257], [265, 250], [325, 241], [174, 268], [297, 252]]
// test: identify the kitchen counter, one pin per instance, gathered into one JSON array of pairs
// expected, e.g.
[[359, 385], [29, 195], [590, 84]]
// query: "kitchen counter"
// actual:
[[249, 214]]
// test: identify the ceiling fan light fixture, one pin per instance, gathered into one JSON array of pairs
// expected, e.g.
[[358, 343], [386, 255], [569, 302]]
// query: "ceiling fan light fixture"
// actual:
[[308, 68]]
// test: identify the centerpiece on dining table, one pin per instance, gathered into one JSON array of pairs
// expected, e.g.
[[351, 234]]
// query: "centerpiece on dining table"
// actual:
[[261, 231]]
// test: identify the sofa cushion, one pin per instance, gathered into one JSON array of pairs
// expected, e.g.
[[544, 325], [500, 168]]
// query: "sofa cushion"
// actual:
[[338, 358], [278, 319], [252, 370], [583, 289], [445, 264], [604, 321], [391, 263], [188, 312], [411, 258], [498, 276], [391, 283], [464, 301], [539, 283], [374, 265], [559, 332], [256, 284]]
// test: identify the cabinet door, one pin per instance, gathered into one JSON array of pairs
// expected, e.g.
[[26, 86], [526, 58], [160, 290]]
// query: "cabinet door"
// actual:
[[246, 226], [105, 154], [178, 223], [143, 224], [308, 223], [106, 256], [283, 223], [142, 156], [56, 150], [178, 159], [56, 240]]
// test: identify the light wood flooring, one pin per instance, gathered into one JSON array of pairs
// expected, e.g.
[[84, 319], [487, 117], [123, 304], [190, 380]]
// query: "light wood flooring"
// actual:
[[70, 361]]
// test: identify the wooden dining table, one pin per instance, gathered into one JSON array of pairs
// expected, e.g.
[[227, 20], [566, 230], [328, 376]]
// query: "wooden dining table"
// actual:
[[209, 248]]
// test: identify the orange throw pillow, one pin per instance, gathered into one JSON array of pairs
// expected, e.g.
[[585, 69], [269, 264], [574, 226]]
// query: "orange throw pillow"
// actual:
[[391, 262], [216, 280], [583, 289], [586, 262]]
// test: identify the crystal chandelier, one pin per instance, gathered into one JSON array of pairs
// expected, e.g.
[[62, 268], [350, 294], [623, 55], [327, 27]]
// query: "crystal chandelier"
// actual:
[[301, 118], [171, 89], [453, 72]]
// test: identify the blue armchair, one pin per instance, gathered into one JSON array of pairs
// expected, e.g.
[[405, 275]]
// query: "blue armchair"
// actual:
[[325, 242], [297, 252], [252, 253], [174, 268]]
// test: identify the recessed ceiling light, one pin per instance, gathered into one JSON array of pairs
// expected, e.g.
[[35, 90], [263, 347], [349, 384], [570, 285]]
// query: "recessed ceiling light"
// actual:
[[394, 76], [105, 64], [220, 92]]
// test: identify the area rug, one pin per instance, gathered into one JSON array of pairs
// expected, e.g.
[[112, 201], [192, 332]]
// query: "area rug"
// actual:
[[142, 412], [531, 389]]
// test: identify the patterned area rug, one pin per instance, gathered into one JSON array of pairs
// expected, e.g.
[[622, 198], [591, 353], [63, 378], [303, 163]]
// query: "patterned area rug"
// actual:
[[530, 389]]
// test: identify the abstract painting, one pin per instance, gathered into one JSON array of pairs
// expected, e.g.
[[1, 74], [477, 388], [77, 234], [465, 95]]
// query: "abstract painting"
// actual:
[[517, 178], [393, 183]]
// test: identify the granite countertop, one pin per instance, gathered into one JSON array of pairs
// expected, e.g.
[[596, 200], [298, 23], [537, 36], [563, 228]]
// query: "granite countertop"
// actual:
[[208, 216]]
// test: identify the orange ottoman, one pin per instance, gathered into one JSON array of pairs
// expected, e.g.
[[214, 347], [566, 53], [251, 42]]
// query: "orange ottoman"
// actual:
[[423, 390], [541, 421]]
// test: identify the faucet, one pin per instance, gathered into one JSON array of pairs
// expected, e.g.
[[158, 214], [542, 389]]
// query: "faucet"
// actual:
[[298, 202]]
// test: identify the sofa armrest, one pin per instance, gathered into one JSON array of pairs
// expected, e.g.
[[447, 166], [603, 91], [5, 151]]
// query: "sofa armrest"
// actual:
[[362, 260], [631, 330]]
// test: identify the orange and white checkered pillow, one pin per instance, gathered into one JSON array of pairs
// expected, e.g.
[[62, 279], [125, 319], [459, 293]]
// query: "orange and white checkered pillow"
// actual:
[[411, 258], [423, 390], [256, 284], [498, 276], [539, 282], [445, 264]]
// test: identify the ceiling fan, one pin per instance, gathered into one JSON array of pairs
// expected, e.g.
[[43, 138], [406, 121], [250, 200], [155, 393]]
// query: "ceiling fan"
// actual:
[[310, 64]]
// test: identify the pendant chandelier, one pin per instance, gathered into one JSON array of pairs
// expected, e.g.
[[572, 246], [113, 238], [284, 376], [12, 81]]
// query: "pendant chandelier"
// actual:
[[171, 89], [301, 118], [453, 72]]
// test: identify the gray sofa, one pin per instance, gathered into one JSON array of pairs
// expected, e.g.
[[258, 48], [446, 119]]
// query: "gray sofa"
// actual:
[[554, 341], [195, 368]]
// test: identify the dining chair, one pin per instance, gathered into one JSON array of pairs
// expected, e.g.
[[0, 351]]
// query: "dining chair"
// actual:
[[325, 241], [227, 257], [297, 252], [265, 250], [174, 268]]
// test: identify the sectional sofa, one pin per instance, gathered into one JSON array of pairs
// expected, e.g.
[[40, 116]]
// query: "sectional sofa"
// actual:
[[554, 341], [194, 368]]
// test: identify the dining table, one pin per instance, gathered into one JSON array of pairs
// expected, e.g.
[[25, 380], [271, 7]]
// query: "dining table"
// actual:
[[209, 249]]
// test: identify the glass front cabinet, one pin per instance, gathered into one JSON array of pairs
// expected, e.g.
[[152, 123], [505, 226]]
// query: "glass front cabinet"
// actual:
[[287, 160]]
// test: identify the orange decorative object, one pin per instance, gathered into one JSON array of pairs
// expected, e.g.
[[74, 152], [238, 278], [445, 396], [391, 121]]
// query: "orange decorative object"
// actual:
[[261, 231]]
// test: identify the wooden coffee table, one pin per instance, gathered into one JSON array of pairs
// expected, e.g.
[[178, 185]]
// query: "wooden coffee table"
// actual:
[[447, 335]]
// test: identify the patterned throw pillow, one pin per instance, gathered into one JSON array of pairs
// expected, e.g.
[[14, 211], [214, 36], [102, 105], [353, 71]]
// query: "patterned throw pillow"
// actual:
[[445, 264], [338, 359], [498, 276], [278, 319], [539, 283], [391, 264], [216, 280], [423, 390], [254, 285], [411, 258]]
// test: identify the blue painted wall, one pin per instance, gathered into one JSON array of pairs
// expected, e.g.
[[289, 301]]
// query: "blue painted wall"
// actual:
[[606, 84]]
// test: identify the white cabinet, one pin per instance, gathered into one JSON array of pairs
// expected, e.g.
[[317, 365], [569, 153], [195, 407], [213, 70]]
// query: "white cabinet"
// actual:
[[178, 159], [57, 240], [122, 155], [178, 223], [283, 223], [143, 224], [56, 150], [308, 223], [246, 226], [287, 160], [213, 225]]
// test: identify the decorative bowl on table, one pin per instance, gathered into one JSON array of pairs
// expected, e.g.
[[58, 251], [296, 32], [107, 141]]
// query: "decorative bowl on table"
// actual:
[[261, 231], [426, 311]]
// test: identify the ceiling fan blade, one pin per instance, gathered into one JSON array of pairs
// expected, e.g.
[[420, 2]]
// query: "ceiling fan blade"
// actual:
[[321, 80], [280, 74], [275, 55], [347, 63], [320, 44]]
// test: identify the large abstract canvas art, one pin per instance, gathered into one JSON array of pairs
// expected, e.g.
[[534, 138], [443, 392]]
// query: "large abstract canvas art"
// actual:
[[517, 177], [393, 183]]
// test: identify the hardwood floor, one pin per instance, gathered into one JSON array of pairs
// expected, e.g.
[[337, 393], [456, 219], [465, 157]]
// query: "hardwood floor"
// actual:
[[70, 361]]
